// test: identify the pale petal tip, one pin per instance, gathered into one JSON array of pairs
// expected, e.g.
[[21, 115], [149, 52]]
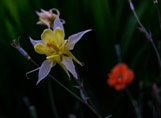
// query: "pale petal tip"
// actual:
[[89, 30], [38, 22], [76, 77], [30, 39], [37, 82], [42, 10], [38, 13], [57, 23]]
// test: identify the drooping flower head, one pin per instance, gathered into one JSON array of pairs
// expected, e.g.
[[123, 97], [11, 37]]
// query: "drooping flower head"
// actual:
[[120, 76], [57, 49], [47, 17]]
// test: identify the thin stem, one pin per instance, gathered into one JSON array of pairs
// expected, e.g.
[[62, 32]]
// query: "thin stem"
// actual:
[[52, 100], [118, 52], [77, 97], [54, 110], [89, 100], [157, 53], [144, 30], [34, 62], [156, 96], [80, 83], [154, 111], [32, 110], [17, 46], [148, 36], [158, 11], [68, 90], [134, 103]]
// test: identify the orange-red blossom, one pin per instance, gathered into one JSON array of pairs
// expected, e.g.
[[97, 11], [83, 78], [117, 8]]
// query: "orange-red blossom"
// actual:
[[120, 76]]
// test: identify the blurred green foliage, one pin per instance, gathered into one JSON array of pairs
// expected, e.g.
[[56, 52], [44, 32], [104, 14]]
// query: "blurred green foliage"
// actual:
[[113, 23]]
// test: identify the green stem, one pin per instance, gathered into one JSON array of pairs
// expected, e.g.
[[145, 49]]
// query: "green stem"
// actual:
[[118, 52], [149, 37], [81, 87], [134, 103], [31, 108], [72, 93], [17, 46], [77, 97], [158, 56], [51, 97], [158, 11]]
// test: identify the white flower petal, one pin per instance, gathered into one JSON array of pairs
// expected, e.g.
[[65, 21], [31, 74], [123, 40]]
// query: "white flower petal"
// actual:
[[73, 39], [45, 69], [34, 42], [38, 13], [38, 22], [68, 63], [57, 23]]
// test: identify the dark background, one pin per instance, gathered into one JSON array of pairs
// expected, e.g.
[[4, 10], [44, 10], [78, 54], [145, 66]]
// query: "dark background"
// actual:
[[113, 23]]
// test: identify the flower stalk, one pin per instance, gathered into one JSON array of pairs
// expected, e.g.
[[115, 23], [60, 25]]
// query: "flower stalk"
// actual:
[[51, 97], [158, 11], [157, 98], [16, 45], [134, 103], [118, 53], [31, 108], [83, 92], [69, 91], [146, 33]]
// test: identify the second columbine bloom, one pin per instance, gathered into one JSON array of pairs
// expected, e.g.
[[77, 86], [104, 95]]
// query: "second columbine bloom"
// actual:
[[57, 50]]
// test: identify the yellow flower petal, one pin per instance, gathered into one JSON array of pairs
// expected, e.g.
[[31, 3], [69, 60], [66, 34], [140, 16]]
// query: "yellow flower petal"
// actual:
[[41, 48], [59, 36], [56, 58], [47, 36]]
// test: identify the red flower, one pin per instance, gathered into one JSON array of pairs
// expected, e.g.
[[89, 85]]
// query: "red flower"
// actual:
[[120, 76]]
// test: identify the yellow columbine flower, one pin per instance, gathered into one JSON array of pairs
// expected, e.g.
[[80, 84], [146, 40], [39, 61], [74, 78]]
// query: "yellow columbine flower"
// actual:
[[57, 50], [47, 17]]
